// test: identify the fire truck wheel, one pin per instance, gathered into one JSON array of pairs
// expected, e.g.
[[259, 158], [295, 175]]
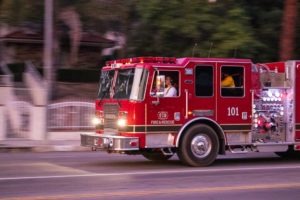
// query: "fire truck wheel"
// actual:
[[199, 146], [156, 156]]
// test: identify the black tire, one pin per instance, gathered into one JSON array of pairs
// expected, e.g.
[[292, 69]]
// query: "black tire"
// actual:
[[290, 153], [199, 146], [156, 156]]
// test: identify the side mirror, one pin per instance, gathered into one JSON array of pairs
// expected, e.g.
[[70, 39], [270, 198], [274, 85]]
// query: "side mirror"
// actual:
[[159, 88], [160, 85]]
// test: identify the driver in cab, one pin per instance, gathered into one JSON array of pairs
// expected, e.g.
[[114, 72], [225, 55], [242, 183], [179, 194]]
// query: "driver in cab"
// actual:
[[170, 90]]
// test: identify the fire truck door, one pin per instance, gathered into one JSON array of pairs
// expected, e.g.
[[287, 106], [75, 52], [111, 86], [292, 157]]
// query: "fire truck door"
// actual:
[[165, 112], [234, 96]]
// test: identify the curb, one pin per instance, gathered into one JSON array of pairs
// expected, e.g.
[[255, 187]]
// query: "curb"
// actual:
[[41, 149], [11, 149], [42, 146], [59, 148]]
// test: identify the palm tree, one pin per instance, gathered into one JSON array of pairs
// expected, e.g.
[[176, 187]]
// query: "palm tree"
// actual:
[[71, 18], [288, 30]]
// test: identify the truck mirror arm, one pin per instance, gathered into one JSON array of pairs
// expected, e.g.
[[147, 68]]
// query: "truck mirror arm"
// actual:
[[156, 102]]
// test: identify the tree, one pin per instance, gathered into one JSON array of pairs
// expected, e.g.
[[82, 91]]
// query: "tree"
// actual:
[[233, 36], [172, 28], [18, 12], [243, 28], [71, 18], [288, 30], [264, 18]]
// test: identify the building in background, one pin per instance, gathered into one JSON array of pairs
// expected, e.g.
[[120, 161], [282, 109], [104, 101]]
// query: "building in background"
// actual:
[[24, 44]]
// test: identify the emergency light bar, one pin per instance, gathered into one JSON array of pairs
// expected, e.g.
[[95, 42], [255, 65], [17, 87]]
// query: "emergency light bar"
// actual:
[[168, 60]]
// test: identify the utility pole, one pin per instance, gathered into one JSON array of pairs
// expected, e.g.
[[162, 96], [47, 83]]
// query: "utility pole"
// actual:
[[48, 46], [41, 112]]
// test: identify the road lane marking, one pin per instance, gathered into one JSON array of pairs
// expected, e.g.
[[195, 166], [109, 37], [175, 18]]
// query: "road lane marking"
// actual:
[[162, 191], [180, 171]]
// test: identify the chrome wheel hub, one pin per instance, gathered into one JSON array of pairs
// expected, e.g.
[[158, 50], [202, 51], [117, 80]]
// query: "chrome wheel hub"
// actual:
[[201, 145]]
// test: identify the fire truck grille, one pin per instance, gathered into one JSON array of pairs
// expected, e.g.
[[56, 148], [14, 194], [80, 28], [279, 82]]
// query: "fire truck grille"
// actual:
[[110, 115]]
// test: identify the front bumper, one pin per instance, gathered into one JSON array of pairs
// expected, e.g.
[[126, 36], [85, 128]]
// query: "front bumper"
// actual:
[[110, 142]]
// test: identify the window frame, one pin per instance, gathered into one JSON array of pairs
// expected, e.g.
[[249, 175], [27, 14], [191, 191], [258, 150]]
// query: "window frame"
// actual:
[[241, 87], [166, 70]]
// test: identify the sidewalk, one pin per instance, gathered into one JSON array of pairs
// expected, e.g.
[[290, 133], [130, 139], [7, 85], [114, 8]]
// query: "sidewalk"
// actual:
[[55, 142]]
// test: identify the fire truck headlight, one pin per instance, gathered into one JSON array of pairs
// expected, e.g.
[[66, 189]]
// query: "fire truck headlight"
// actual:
[[122, 122], [96, 121]]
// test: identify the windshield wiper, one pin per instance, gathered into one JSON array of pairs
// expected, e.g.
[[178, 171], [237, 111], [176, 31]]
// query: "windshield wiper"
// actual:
[[114, 90], [104, 93]]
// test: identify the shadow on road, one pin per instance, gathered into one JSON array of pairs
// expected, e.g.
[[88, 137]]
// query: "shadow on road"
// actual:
[[135, 162]]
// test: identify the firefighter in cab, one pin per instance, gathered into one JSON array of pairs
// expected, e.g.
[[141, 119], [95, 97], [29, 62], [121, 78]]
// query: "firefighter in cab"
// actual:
[[170, 90], [227, 80]]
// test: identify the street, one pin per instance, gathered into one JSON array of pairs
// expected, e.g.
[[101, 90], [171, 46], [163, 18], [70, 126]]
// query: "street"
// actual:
[[98, 175]]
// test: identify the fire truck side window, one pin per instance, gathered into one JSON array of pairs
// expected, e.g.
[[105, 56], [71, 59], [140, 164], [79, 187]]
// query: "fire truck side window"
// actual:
[[204, 81], [232, 81], [171, 83]]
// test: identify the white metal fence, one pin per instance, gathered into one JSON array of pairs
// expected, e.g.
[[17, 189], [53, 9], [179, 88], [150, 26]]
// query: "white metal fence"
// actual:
[[22, 128], [71, 115], [63, 116], [23, 108]]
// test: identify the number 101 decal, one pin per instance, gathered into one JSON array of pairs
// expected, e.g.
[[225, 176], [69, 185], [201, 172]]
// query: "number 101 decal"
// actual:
[[232, 111]]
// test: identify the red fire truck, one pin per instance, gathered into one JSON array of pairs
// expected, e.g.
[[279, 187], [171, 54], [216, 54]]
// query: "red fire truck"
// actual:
[[217, 106]]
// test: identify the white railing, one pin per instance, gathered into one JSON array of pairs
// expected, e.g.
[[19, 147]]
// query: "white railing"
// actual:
[[7, 97], [24, 115], [72, 115], [23, 128], [63, 116]]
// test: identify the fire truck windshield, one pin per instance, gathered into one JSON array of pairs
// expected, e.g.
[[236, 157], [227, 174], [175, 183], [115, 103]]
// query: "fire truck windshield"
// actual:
[[106, 80], [130, 84]]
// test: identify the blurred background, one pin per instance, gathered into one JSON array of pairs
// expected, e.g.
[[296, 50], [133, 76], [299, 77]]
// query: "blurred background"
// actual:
[[90, 30], [51, 51]]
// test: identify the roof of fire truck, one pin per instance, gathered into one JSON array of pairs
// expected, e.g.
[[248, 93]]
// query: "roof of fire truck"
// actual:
[[168, 61]]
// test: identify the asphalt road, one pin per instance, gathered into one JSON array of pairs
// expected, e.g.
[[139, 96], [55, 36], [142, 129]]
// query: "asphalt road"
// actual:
[[97, 175]]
